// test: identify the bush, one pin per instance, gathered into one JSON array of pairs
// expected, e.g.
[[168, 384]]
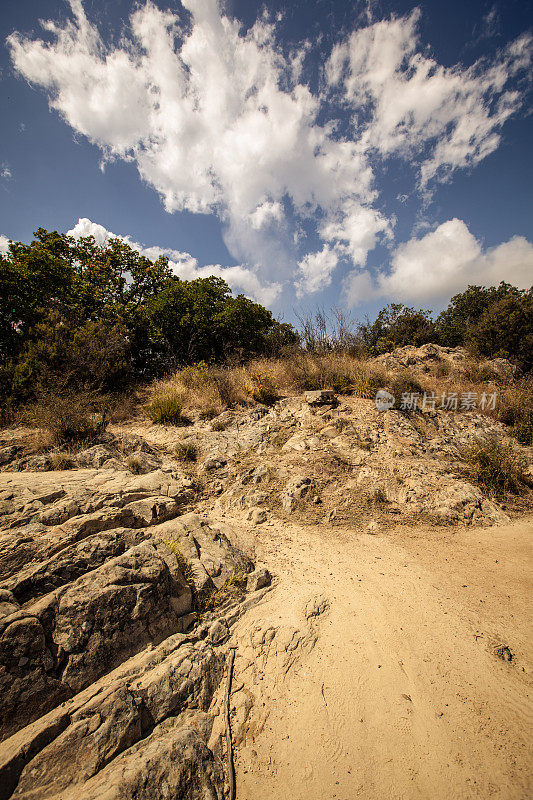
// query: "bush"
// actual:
[[366, 382], [397, 326], [218, 426], [212, 389], [70, 418], [60, 461], [264, 389], [186, 451], [135, 464], [491, 321], [477, 372], [166, 407], [515, 409], [494, 466], [402, 384]]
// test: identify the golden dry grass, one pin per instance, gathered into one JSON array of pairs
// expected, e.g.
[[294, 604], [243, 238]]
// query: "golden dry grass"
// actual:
[[207, 391]]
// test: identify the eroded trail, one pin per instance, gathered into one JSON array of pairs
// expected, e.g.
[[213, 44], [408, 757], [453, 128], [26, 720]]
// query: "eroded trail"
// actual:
[[371, 669]]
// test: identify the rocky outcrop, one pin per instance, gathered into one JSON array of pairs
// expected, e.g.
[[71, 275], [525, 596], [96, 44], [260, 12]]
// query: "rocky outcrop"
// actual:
[[430, 358], [106, 670], [139, 732], [118, 592], [57, 645]]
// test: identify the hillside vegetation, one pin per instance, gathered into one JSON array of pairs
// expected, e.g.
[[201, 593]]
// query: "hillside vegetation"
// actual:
[[81, 325]]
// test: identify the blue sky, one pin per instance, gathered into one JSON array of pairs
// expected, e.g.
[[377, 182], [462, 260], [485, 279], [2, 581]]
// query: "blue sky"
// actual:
[[312, 154]]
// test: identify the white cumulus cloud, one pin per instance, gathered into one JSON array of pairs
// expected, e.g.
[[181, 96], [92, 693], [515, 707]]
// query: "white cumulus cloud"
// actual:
[[315, 271], [219, 119], [436, 266], [450, 115]]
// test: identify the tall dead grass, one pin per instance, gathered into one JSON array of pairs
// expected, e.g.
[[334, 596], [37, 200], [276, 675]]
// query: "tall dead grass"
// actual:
[[341, 372], [69, 418], [207, 391]]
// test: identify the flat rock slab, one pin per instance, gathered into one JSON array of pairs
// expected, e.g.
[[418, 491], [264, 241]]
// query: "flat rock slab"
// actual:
[[320, 397]]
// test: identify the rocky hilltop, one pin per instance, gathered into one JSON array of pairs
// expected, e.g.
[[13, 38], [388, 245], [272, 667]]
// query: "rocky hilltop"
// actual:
[[121, 593]]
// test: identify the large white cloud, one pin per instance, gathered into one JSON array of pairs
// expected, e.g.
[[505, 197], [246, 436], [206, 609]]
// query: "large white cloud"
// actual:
[[219, 120], [434, 267], [452, 116], [184, 265]]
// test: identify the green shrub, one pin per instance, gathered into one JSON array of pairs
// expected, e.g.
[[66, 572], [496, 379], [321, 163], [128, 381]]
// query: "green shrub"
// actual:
[[186, 451], [264, 389], [166, 408], [494, 466]]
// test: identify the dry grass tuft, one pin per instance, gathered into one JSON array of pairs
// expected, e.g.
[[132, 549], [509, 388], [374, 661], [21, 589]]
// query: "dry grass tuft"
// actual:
[[166, 407], [264, 388], [338, 371], [208, 390], [232, 589], [60, 461], [186, 451], [495, 466], [135, 464]]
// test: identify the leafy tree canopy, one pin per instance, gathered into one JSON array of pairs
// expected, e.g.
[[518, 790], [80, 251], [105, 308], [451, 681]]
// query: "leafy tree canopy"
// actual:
[[106, 314]]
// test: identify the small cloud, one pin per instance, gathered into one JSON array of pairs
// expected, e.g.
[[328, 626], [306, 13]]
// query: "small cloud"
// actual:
[[22, 126], [490, 24], [402, 198], [4, 244], [5, 171], [316, 270]]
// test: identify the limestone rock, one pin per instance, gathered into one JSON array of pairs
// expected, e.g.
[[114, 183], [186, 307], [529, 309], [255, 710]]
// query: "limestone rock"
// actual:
[[320, 397], [206, 548], [118, 737], [295, 489], [152, 510], [68, 639], [257, 515], [213, 463], [258, 579]]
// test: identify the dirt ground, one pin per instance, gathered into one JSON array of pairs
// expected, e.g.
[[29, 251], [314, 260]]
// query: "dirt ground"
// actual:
[[374, 668]]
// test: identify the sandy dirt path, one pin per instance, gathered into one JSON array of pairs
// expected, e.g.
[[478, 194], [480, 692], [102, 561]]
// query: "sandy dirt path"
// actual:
[[370, 670]]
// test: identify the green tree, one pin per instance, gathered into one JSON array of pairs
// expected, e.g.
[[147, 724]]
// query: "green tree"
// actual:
[[505, 330], [396, 326], [455, 324]]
